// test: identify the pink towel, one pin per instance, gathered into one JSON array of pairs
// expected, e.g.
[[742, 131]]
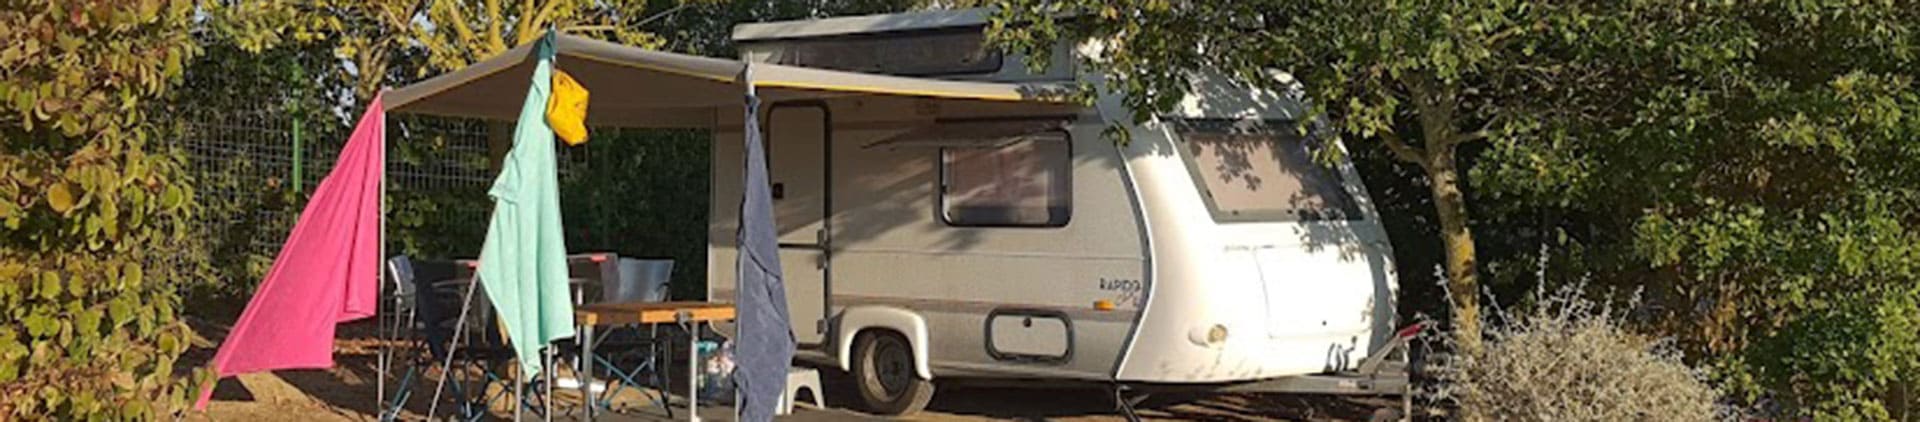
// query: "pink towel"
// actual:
[[327, 273]]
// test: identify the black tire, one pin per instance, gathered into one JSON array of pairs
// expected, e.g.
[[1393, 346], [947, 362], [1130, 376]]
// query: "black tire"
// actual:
[[883, 372]]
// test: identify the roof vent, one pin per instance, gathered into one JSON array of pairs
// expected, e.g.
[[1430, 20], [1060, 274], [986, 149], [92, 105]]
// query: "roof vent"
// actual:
[[945, 51]]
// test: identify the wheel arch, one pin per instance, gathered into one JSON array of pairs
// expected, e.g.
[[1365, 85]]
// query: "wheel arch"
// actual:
[[857, 319]]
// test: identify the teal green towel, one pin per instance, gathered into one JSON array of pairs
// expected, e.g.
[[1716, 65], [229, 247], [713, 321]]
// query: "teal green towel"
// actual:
[[523, 263]]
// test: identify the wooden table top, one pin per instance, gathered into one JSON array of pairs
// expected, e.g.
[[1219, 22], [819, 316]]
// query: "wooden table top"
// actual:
[[650, 312]]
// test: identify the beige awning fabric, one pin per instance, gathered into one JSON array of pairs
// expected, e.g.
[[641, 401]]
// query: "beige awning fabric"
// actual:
[[636, 87]]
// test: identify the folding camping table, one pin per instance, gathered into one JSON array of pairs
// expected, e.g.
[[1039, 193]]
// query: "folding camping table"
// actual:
[[689, 313]]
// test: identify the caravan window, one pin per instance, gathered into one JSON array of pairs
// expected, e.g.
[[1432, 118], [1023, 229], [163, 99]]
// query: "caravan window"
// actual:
[[1023, 182], [1261, 171]]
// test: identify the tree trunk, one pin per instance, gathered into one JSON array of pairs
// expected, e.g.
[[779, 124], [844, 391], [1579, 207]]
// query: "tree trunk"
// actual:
[[1462, 272]]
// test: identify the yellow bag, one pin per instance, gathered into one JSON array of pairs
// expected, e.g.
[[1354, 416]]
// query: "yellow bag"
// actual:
[[567, 109]]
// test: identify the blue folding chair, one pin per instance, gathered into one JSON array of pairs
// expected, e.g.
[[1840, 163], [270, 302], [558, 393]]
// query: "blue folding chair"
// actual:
[[633, 280]]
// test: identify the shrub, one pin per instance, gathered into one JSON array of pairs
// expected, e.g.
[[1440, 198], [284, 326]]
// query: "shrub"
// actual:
[[93, 216], [1567, 358], [1849, 360]]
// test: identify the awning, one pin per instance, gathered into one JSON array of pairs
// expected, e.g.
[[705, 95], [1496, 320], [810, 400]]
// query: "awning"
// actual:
[[636, 87]]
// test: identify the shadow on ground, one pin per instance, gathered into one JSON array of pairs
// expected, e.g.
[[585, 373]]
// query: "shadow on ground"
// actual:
[[348, 392], [970, 399]]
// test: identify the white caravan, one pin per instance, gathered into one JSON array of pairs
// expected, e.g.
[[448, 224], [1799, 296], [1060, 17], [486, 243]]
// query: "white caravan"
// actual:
[[942, 216], [923, 240]]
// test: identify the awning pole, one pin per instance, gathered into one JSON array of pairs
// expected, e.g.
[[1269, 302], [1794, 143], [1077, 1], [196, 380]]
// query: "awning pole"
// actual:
[[547, 366], [746, 78], [380, 323]]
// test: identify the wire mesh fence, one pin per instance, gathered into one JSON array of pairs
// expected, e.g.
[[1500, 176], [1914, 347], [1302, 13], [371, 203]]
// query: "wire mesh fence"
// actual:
[[259, 138], [255, 167], [234, 162]]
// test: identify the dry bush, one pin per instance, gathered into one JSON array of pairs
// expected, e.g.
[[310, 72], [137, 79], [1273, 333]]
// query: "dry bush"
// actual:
[[1568, 359]]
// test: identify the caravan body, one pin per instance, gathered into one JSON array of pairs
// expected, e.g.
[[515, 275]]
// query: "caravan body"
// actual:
[[1211, 248]]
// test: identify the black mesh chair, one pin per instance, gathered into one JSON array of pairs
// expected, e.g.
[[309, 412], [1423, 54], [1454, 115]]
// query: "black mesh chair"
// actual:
[[429, 296]]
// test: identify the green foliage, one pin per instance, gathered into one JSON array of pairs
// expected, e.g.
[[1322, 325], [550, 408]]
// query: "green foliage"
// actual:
[[1748, 163], [424, 224], [1753, 175], [637, 193], [231, 104], [409, 39], [230, 226], [95, 238], [1421, 78], [445, 221], [643, 193]]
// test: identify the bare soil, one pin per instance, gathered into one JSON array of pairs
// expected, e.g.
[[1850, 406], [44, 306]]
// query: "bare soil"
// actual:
[[348, 392]]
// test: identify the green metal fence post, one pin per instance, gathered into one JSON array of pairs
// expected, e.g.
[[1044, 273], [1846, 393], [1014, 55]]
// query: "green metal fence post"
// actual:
[[299, 149]]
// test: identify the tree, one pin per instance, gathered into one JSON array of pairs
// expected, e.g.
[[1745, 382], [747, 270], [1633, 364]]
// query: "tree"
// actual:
[[443, 35], [1419, 77], [1746, 164], [94, 243]]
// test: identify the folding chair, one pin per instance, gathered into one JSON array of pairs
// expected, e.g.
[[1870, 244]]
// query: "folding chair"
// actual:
[[418, 322], [395, 317], [485, 347], [428, 299], [395, 321], [635, 280]]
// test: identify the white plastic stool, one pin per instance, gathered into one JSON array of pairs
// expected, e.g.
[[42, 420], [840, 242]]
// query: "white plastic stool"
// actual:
[[798, 379]]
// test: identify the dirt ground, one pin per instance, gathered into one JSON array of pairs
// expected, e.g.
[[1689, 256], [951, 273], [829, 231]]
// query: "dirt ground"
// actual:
[[348, 393]]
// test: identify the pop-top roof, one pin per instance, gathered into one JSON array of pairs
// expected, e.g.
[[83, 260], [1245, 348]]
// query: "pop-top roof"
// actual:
[[868, 24]]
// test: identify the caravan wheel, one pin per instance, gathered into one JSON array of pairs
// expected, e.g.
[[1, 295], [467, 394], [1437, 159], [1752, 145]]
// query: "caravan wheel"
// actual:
[[883, 369]]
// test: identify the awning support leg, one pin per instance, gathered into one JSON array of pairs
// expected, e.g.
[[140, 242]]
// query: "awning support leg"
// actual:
[[1124, 402]]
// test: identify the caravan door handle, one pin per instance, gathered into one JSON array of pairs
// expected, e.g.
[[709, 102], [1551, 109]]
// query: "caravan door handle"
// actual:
[[820, 238]]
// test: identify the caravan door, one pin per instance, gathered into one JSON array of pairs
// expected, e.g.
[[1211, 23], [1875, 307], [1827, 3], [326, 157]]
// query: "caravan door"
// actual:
[[797, 151]]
